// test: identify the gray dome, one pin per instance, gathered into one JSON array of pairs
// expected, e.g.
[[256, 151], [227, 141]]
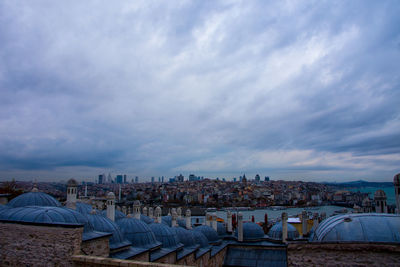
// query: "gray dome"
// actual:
[[103, 224], [33, 199], [146, 219], [361, 227], [167, 220], [118, 214], [83, 208], [251, 231], [138, 233], [165, 235], [209, 232], [185, 236], [200, 239], [72, 183], [276, 231]]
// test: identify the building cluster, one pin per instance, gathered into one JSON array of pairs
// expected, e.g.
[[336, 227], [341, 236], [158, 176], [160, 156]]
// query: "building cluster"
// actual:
[[37, 229]]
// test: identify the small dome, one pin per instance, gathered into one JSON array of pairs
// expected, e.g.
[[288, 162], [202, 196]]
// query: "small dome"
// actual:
[[72, 183], [396, 180], [103, 224], [380, 195], [34, 199], [200, 239], [276, 231], [110, 195], [251, 231], [146, 219], [165, 235], [359, 227], [185, 236], [167, 220], [118, 214], [209, 232], [138, 233], [83, 208]]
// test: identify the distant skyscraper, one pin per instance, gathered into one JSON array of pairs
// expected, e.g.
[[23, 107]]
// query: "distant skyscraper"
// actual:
[[118, 179], [266, 178], [162, 179], [102, 178], [257, 178], [124, 178], [136, 179], [234, 179], [109, 179], [193, 177], [159, 179], [180, 178], [152, 179]]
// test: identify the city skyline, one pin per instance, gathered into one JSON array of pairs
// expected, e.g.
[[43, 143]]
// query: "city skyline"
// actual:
[[295, 90]]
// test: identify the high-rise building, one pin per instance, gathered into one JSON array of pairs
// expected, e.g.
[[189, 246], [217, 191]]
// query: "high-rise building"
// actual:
[[118, 179], [266, 178], [136, 179], [257, 178], [180, 178], [109, 179], [124, 178], [102, 178], [152, 179]]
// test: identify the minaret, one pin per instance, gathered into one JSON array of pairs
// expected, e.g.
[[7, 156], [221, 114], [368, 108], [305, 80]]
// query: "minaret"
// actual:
[[284, 227], [151, 212], [179, 212], [304, 222], [174, 217], [111, 206], [229, 221], [240, 227], [188, 219], [72, 189], [380, 201], [136, 209], [158, 214], [396, 182], [214, 221]]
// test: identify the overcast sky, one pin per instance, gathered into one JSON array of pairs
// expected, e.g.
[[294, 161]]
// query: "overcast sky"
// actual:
[[290, 89]]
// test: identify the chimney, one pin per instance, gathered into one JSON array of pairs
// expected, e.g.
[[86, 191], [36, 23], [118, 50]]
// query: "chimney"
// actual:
[[72, 190], [151, 212], [145, 211], [158, 214], [284, 227], [229, 221], [136, 209], [207, 218], [174, 217], [188, 219], [214, 221], [240, 227], [124, 210], [179, 212], [304, 222], [111, 206]]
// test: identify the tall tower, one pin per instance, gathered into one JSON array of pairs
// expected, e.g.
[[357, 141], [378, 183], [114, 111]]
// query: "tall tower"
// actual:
[[396, 181], [72, 190], [111, 206], [380, 201]]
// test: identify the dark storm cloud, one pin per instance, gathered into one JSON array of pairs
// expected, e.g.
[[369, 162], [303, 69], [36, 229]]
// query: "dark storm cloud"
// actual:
[[293, 89]]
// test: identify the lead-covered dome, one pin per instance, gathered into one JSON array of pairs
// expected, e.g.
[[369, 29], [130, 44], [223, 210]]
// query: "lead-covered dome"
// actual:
[[118, 214], [251, 232], [33, 199], [209, 232], [276, 231], [185, 237], [165, 235], [200, 239], [103, 224], [138, 233], [361, 227]]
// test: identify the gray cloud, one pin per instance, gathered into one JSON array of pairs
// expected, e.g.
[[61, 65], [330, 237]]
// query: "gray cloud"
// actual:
[[213, 87]]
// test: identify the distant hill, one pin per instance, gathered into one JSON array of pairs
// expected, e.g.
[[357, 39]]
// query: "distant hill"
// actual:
[[361, 183]]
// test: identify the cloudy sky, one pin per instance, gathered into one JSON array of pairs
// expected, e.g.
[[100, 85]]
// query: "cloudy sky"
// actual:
[[290, 89]]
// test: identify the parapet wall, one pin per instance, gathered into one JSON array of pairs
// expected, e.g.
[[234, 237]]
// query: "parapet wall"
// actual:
[[91, 261], [36, 245], [343, 254]]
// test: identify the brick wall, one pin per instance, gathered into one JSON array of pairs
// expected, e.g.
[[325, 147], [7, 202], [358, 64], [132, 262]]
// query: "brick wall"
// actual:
[[96, 247], [320, 254], [33, 245]]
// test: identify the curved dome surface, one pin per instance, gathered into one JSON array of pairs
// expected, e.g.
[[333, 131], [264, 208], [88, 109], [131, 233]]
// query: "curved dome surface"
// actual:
[[167, 220], [184, 236], [146, 219], [200, 238], [361, 227], [251, 231], [165, 235], [118, 214], [221, 229], [83, 208], [138, 233], [208, 232], [103, 224], [34, 199], [38, 214], [276, 231]]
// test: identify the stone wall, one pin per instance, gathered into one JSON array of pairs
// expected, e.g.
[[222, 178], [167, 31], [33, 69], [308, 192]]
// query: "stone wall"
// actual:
[[218, 259], [34, 245], [96, 247], [170, 258], [91, 261], [145, 256], [187, 260], [204, 260], [323, 254]]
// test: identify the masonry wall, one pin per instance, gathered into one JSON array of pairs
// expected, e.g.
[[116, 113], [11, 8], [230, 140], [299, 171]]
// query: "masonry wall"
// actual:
[[203, 261], [145, 256], [31, 245], [187, 260], [170, 258], [321, 254], [96, 247], [218, 259], [92, 261]]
